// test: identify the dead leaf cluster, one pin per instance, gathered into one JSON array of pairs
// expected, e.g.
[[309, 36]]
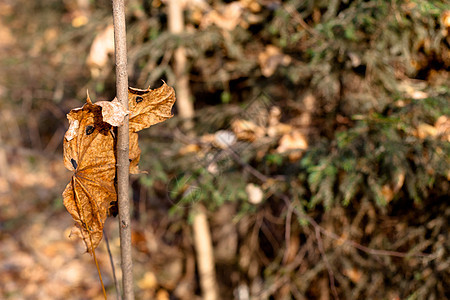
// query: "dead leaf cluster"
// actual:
[[441, 129], [89, 151]]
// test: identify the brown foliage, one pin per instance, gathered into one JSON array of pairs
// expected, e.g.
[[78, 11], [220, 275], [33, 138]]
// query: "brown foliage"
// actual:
[[147, 107], [89, 151]]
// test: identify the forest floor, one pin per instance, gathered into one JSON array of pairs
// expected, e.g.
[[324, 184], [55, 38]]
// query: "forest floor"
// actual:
[[337, 180], [39, 260]]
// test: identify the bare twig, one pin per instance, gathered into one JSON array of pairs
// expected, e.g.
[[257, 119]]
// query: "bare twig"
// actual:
[[205, 254], [3, 162], [111, 260], [184, 105], [297, 17], [287, 233], [327, 263], [274, 287], [123, 163]]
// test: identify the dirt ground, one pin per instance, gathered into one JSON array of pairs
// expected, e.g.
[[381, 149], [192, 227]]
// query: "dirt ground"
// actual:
[[38, 259]]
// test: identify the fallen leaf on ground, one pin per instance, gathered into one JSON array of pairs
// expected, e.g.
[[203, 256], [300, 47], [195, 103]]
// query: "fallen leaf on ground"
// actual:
[[295, 143], [353, 273], [442, 126], [226, 18], [149, 281], [102, 46], [247, 130], [271, 58]]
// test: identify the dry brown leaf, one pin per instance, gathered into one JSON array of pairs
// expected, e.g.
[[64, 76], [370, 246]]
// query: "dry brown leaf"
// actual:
[[271, 58], [134, 154], [425, 130], [226, 18], [189, 148], [102, 47], [247, 130], [149, 281], [399, 179], [162, 295], [275, 127], [354, 274], [295, 143], [89, 152], [442, 126], [445, 18], [252, 5], [149, 107], [113, 112], [387, 192], [8, 39], [279, 129]]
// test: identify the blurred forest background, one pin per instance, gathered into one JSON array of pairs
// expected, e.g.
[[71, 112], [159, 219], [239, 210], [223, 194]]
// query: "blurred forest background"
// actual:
[[318, 147]]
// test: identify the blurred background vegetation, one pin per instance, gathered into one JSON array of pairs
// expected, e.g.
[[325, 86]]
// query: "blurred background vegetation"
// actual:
[[320, 147]]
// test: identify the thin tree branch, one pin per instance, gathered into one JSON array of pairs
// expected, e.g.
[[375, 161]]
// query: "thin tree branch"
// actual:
[[184, 105], [287, 233], [123, 163], [327, 263], [205, 254], [111, 260]]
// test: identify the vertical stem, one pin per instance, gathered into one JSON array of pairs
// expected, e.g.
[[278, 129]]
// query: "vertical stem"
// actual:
[[111, 260], [184, 105], [123, 163], [205, 254]]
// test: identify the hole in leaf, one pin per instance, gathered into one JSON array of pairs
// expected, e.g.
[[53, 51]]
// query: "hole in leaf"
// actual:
[[139, 99], [74, 163], [89, 129], [113, 208]]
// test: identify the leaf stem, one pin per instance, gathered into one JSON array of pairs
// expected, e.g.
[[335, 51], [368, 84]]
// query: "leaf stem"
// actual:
[[98, 268], [111, 260], [82, 219]]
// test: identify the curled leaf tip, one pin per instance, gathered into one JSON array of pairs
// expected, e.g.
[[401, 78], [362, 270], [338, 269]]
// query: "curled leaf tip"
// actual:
[[88, 99], [150, 107]]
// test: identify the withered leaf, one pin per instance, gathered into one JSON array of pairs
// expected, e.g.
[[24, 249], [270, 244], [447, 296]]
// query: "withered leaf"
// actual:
[[149, 107], [113, 112], [134, 154], [89, 152]]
